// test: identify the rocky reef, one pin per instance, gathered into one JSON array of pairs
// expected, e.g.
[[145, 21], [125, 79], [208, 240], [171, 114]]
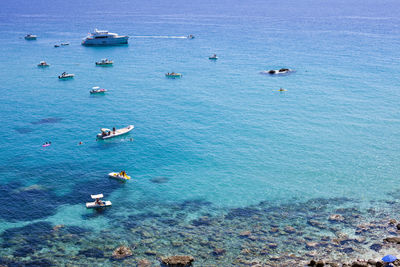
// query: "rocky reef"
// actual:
[[319, 232]]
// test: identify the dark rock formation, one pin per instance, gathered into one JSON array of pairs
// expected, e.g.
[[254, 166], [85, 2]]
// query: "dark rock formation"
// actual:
[[121, 253], [143, 263], [392, 240], [177, 261], [336, 218], [219, 252]]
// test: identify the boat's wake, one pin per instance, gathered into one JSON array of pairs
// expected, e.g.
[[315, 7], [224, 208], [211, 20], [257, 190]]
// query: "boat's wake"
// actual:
[[161, 37]]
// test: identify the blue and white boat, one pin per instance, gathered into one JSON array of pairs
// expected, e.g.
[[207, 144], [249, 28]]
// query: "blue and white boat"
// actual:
[[103, 38]]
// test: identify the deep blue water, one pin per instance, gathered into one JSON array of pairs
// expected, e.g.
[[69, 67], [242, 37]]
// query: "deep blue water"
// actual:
[[223, 133]]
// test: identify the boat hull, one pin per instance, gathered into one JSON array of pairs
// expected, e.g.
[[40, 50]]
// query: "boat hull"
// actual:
[[118, 132], [117, 176], [121, 40], [173, 76], [65, 77], [93, 205]]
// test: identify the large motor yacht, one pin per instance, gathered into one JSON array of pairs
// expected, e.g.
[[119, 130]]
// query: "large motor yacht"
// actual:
[[104, 38]]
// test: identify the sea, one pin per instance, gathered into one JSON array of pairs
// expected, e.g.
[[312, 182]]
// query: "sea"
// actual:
[[215, 154]]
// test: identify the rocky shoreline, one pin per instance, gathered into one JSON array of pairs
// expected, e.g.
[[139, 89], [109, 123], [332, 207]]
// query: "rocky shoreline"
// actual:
[[319, 232]]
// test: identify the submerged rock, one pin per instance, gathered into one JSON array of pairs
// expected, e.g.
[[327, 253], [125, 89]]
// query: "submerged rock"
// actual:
[[393, 239], [336, 218], [122, 252], [245, 234], [376, 247], [177, 261], [143, 263], [219, 251], [92, 253]]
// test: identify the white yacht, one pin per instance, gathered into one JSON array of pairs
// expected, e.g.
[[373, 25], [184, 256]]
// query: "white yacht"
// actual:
[[104, 38]]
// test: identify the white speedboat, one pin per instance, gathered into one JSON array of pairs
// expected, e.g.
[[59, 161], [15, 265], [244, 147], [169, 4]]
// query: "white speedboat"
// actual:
[[280, 71], [98, 203], [65, 75], [30, 37], [213, 57], [104, 38], [43, 64], [119, 175], [107, 133], [64, 44], [104, 62], [97, 90]]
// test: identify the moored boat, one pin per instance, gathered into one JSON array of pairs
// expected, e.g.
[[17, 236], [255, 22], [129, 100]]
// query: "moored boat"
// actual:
[[98, 203], [107, 133], [65, 75], [104, 38], [173, 75], [119, 175], [280, 71], [213, 57], [30, 37], [43, 64], [104, 62], [97, 90]]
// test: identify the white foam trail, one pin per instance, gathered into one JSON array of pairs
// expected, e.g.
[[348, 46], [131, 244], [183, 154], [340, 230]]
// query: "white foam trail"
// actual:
[[164, 37]]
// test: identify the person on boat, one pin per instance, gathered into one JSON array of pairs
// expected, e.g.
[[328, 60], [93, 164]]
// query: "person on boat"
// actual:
[[114, 130], [98, 201]]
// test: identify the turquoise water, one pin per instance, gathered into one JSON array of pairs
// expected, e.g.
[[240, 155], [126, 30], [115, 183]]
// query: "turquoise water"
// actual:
[[222, 134]]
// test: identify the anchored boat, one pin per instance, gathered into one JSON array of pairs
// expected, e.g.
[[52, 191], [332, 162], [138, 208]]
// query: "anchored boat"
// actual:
[[43, 64], [104, 62], [107, 133], [30, 37], [104, 38], [173, 75], [280, 71], [65, 75], [98, 203], [119, 175], [213, 57], [98, 90]]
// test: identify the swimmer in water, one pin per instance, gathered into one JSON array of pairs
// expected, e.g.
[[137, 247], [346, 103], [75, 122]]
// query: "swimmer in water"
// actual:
[[80, 143]]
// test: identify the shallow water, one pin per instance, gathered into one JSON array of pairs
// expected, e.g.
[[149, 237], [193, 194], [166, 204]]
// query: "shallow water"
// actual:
[[220, 138]]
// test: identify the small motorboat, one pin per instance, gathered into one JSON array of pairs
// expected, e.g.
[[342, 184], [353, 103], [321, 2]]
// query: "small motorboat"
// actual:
[[213, 57], [43, 64], [119, 175], [107, 133], [280, 71], [64, 44], [30, 37], [56, 45], [105, 61], [65, 75], [190, 36], [97, 90], [173, 75], [98, 203]]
